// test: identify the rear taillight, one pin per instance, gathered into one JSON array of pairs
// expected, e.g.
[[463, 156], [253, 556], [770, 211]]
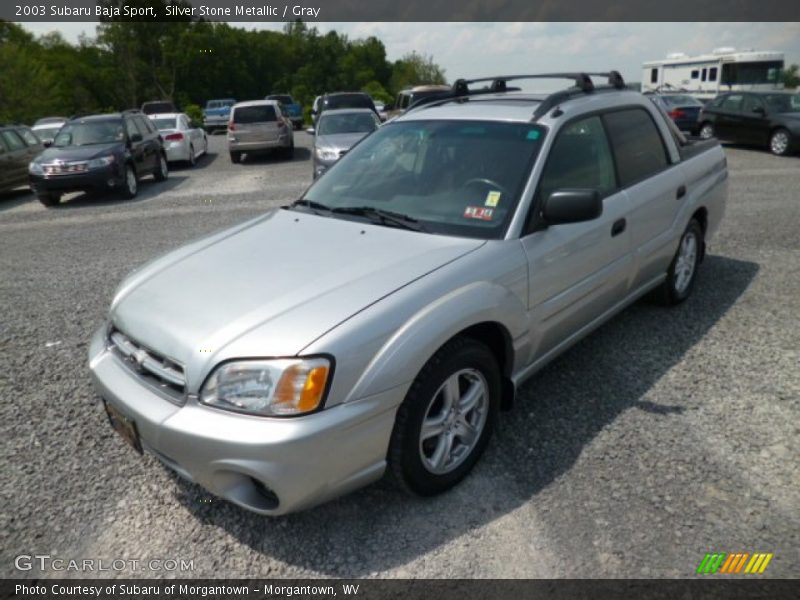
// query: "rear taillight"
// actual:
[[231, 126], [677, 113], [174, 137]]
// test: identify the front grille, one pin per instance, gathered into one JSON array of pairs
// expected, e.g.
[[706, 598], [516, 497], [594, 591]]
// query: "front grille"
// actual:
[[155, 369], [65, 168]]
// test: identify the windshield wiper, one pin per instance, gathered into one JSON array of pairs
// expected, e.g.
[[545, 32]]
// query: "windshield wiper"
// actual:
[[385, 217], [315, 206]]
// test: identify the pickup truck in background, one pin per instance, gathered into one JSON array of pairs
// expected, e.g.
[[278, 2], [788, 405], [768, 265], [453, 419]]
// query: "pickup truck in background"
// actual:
[[216, 114], [294, 110]]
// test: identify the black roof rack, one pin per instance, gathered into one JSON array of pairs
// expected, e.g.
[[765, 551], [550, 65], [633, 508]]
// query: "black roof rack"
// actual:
[[583, 84]]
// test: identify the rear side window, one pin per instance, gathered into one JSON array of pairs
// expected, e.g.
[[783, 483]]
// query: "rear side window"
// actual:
[[580, 158], [13, 141], [733, 102], [130, 127], [751, 103], [653, 75], [254, 114], [637, 144], [29, 137], [712, 74]]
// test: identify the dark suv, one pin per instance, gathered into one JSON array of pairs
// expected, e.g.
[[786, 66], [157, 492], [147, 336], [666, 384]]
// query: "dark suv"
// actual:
[[100, 152], [770, 119], [18, 146]]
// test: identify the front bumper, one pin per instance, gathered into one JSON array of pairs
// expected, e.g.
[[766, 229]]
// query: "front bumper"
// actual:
[[302, 461], [105, 178]]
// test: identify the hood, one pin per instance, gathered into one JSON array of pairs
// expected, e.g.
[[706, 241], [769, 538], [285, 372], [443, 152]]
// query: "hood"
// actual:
[[73, 153], [339, 141], [271, 286]]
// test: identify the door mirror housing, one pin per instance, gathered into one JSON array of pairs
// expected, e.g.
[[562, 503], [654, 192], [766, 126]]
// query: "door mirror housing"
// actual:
[[136, 137], [572, 206], [759, 110]]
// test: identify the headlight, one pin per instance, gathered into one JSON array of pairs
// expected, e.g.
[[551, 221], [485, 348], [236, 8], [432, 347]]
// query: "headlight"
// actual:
[[326, 153], [35, 168], [98, 163], [281, 387]]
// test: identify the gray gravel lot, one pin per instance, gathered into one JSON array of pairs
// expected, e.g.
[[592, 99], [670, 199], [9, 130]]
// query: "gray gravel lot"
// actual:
[[665, 435]]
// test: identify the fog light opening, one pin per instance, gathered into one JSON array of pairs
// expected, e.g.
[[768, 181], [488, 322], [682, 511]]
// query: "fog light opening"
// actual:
[[269, 497]]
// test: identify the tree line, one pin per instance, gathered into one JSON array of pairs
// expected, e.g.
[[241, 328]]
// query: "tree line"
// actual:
[[189, 62]]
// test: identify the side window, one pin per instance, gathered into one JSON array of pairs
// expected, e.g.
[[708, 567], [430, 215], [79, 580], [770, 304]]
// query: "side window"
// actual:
[[751, 103], [130, 127], [695, 74], [579, 158], [145, 125], [703, 76], [184, 122], [712, 74], [638, 146], [13, 141], [29, 137], [733, 102], [2, 145], [654, 75]]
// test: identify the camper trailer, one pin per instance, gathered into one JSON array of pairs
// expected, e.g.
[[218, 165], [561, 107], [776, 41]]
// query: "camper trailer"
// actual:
[[706, 75]]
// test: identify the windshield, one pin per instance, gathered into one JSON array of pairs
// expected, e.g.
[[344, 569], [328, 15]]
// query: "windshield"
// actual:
[[752, 72], [347, 123], [454, 177], [783, 102], [47, 133], [348, 101], [254, 114], [170, 123], [90, 132], [282, 98]]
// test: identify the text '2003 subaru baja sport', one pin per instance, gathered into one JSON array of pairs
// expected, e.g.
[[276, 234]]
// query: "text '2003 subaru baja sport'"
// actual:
[[383, 319]]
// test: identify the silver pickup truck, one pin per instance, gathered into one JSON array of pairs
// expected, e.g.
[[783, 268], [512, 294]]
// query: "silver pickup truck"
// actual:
[[381, 321]]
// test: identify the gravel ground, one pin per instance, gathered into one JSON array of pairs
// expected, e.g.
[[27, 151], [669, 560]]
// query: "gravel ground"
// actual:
[[665, 435]]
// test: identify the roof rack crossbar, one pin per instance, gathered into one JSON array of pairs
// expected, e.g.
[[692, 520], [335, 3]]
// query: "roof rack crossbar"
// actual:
[[461, 87]]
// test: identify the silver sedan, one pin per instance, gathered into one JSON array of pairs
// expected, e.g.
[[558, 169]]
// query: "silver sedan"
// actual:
[[182, 141]]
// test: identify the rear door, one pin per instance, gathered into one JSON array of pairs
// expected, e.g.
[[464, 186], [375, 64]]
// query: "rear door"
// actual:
[[137, 144], [655, 187], [729, 118], [577, 271], [5, 167], [755, 123], [257, 123], [152, 139]]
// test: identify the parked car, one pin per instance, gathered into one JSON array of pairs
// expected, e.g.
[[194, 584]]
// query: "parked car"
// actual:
[[770, 119], [183, 141], [342, 100], [293, 110], [158, 106], [408, 96], [217, 113], [382, 320], [681, 108], [18, 146], [336, 131], [259, 126], [47, 128], [109, 152]]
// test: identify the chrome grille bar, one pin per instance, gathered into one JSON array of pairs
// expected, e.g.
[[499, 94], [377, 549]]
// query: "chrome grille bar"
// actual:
[[147, 362]]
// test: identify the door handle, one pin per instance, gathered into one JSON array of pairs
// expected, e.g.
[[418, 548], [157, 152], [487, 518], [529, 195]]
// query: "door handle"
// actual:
[[618, 227], [681, 192]]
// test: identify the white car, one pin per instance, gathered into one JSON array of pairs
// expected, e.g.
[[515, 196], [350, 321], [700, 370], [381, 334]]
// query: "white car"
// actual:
[[182, 142]]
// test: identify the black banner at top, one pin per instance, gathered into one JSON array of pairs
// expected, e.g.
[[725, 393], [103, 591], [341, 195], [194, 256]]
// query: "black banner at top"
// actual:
[[401, 10]]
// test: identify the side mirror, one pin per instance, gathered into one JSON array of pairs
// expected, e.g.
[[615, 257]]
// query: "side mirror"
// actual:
[[136, 137], [310, 131], [572, 206], [759, 110], [47, 143]]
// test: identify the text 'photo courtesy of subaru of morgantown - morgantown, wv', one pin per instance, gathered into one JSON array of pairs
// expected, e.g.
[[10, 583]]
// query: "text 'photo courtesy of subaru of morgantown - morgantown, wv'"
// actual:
[[381, 321]]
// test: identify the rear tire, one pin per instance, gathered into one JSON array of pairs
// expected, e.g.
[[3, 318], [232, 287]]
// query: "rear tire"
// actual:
[[130, 187], [49, 200], [288, 152], [192, 158], [780, 141], [454, 400], [236, 157], [682, 272]]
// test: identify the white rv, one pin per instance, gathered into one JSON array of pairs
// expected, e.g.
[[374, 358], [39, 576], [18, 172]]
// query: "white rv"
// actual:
[[707, 75]]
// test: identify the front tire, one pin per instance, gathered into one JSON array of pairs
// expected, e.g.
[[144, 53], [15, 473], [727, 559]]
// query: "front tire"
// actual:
[[779, 142], [707, 131], [445, 422], [130, 186], [49, 200], [682, 272], [162, 170]]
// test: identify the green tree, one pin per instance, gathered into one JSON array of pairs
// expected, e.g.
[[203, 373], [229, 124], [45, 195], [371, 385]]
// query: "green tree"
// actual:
[[791, 76], [415, 69]]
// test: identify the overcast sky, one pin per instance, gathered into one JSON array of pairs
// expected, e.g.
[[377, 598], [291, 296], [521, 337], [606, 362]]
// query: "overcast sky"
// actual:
[[477, 49]]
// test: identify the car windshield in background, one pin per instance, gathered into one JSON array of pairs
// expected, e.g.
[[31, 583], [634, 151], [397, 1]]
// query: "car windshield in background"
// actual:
[[283, 99], [683, 100], [165, 123], [348, 101], [47, 133], [783, 102], [454, 177], [88, 133], [414, 96], [254, 114], [347, 123]]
